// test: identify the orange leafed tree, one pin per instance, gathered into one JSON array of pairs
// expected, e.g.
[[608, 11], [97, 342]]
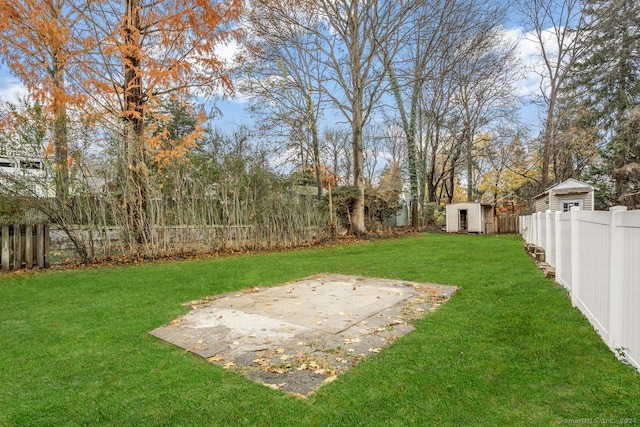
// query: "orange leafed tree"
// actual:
[[150, 49], [39, 45]]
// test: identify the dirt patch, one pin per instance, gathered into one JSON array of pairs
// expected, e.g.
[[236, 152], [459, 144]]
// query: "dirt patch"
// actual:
[[300, 335]]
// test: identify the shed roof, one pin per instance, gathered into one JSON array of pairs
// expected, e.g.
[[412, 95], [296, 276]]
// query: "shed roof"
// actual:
[[569, 186], [470, 203]]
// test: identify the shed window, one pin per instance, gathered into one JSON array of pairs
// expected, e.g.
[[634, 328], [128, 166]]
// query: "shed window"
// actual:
[[568, 204]]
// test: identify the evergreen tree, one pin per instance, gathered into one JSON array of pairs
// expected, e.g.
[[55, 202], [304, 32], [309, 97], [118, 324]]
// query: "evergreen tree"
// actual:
[[606, 81]]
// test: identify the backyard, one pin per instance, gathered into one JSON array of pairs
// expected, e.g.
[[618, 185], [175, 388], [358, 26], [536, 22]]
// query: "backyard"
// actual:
[[507, 349]]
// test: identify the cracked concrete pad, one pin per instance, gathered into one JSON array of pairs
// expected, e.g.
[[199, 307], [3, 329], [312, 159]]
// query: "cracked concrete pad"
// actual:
[[297, 336]]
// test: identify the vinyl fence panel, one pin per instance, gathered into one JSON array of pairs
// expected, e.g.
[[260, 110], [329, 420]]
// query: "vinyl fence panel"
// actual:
[[596, 257], [625, 328], [590, 248], [563, 250]]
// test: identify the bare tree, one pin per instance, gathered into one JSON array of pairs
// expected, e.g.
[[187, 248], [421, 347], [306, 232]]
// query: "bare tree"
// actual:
[[284, 79], [436, 42], [409, 61], [394, 146], [556, 32], [337, 150], [486, 95], [373, 137], [350, 48], [437, 147]]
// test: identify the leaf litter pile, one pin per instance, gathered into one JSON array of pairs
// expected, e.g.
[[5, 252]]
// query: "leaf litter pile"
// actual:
[[300, 335]]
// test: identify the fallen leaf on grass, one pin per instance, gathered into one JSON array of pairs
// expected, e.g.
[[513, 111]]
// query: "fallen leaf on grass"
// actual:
[[329, 379], [273, 386]]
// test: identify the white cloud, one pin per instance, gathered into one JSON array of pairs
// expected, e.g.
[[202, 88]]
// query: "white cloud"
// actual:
[[528, 49], [10, 87], [228, 51], [529, 54]]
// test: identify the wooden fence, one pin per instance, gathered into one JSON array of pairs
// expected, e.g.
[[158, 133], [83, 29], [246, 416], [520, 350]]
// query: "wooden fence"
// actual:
[[595, 256], [24, 246], [506, 224]]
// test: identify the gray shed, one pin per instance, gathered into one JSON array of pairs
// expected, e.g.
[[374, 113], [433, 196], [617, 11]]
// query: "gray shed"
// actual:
[[469, 217], [562, 197]]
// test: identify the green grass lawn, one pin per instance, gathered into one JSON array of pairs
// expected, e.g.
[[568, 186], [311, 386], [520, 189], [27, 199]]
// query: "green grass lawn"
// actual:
[[507, 349]]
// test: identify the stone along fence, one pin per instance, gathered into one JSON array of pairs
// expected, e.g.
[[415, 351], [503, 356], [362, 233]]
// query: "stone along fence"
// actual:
[[596, 257]]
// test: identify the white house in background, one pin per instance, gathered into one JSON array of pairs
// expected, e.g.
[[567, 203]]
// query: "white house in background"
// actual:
[[24, 174], [469, 217], [402, 218], [562, 197]]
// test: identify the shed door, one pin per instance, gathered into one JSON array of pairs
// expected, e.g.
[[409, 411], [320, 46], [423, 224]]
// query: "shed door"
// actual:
[[462, 221]]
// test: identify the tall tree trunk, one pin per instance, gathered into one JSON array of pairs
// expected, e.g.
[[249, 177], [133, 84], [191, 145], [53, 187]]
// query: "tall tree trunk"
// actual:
[[451, 179], [133, 117], [61, 150], [315, 143], [547, 140], [316, 160], [409, 127], [431, 173], [357, 219], [469, 153], [357, 123]]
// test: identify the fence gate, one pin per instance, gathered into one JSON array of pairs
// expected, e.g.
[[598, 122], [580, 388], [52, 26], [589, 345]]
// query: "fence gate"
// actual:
[[24, 246]]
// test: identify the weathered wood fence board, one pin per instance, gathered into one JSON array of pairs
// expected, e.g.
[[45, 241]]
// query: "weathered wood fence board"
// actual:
[[506, 224], [21, 245]]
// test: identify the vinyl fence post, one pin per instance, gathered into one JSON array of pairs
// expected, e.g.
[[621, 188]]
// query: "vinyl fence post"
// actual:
[[575, 256], [549, 249], [558, 245], [534, 229], [616, 285]]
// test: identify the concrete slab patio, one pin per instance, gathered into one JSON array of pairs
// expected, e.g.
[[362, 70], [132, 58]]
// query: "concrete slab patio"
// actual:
[[297, 336]]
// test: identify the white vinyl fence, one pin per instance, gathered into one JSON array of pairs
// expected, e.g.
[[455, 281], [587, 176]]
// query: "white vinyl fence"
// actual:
[[596, 256]]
